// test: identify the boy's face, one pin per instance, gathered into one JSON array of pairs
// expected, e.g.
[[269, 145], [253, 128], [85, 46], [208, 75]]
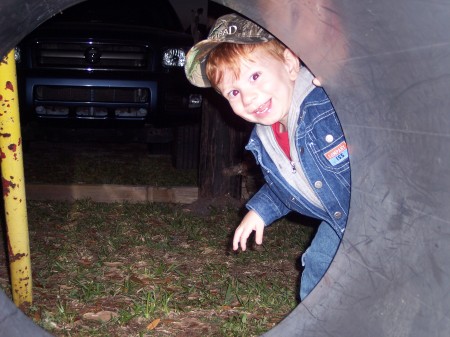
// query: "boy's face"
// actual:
[[263, 91]]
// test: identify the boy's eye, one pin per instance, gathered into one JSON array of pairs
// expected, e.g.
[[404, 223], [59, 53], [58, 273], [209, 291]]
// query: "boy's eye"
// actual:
[[255, 76], [233, 93]]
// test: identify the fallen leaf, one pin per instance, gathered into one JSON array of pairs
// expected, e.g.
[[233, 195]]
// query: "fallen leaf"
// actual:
[[114, 275], [113, 264], [193, 297], [142, 279], [37, 316], [207, 251], [153, 324], [163, 281], [101, 316], [85, 262]]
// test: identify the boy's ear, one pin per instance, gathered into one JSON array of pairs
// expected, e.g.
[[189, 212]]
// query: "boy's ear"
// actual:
[[292, 63]]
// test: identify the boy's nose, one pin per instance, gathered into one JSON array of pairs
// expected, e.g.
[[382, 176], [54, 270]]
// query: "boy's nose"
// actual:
[[248, 98]]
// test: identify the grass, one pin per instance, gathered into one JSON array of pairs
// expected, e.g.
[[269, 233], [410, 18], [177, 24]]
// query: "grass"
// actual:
[[156, 270], [149, 269], [87, 163]]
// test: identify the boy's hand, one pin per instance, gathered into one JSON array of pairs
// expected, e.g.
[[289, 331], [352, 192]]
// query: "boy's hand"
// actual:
[[251, 222], [316, 82]]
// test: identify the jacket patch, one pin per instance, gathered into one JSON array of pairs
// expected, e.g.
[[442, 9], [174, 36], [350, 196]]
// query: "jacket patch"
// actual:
[[337, 154]]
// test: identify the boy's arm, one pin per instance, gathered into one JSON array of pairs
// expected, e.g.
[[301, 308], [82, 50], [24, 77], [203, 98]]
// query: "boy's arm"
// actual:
[[264, 208], [267, 205]]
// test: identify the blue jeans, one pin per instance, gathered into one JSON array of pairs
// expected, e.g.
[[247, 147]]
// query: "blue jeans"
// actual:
[[317, 258]]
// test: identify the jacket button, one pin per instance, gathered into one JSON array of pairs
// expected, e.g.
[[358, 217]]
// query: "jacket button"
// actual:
[[337, 215], [318, 184], [302, 150], [329, 138]]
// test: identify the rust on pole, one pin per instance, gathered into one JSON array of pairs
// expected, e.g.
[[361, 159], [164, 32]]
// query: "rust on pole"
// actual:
[[13, 182]]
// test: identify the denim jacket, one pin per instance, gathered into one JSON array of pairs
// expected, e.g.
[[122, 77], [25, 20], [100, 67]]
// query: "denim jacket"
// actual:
[[323, 156]]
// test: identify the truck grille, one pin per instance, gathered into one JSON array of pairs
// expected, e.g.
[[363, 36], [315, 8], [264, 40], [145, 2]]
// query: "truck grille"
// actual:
[[91, 94], [91, 102], [82, 55]]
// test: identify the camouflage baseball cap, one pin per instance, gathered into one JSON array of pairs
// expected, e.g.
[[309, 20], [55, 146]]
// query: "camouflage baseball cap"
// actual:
[[231, 28]]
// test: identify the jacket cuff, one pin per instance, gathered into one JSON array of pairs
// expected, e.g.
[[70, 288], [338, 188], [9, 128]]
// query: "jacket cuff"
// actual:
[[267, 205]]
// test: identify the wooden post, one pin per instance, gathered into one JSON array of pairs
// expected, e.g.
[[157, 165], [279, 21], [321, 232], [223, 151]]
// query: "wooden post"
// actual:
[[222, 141]]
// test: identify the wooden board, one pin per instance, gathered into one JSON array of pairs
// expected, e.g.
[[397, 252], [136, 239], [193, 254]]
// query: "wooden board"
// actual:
[[112, 193]]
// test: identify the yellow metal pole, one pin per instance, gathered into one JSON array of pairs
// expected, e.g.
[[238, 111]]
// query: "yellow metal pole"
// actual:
[[14, 185]]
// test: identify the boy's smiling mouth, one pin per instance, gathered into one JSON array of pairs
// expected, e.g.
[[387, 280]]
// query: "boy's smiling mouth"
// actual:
[[263, 108]]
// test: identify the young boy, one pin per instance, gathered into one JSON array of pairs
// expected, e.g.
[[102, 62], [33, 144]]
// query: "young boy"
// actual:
[[297, 140]]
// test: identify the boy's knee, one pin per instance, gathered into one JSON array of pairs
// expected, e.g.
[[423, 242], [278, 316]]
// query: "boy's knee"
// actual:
[[317, 259], [315, 266]]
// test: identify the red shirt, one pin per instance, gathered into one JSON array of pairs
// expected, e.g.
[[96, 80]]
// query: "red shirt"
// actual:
[[282, 139]]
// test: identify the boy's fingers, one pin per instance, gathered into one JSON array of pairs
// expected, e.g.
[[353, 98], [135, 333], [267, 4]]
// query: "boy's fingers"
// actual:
[[259, 235], [316, 82], [236, 238], [240, 236], [245, 234]]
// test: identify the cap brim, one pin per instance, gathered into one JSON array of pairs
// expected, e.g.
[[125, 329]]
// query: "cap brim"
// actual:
[[195, 67]]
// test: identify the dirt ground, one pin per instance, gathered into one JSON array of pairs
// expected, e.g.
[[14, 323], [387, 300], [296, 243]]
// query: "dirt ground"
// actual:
[[156, 270], [151, 270]]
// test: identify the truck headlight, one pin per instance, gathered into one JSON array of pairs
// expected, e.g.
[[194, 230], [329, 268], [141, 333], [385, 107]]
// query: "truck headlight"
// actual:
[[174, 57], [17, 54]]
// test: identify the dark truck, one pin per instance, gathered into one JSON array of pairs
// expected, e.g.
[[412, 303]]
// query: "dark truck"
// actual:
[[109, 69]]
